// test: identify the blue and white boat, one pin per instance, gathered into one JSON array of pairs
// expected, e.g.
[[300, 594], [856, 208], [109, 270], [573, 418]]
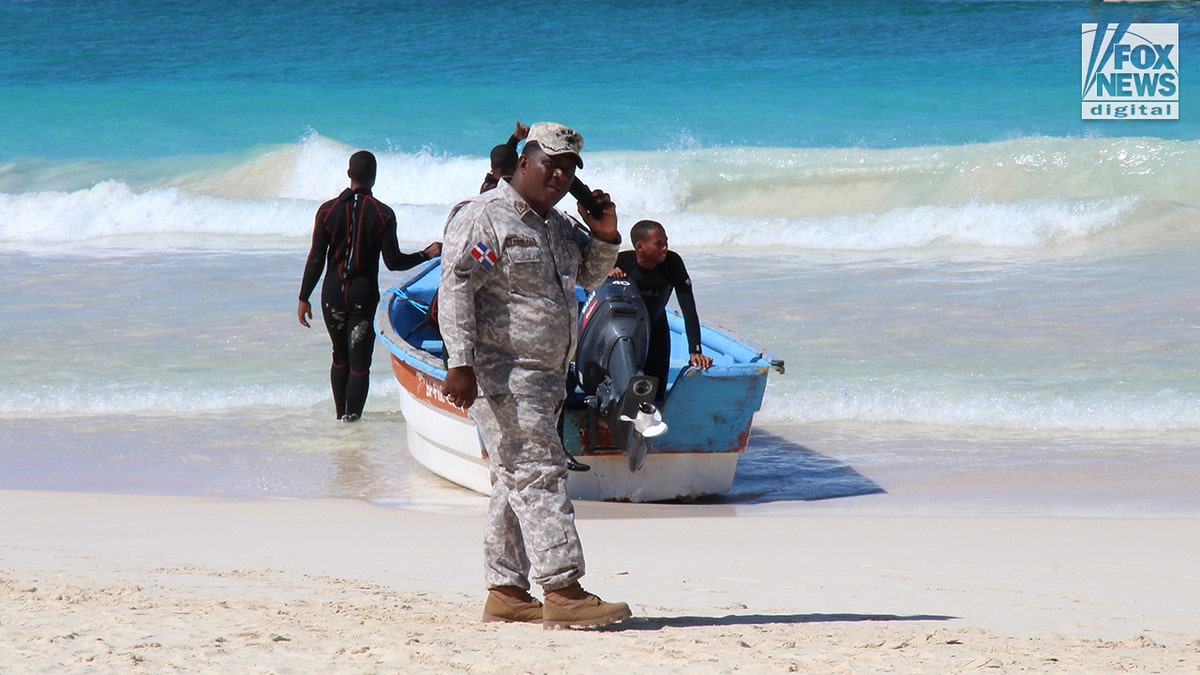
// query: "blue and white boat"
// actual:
[[708, 413]]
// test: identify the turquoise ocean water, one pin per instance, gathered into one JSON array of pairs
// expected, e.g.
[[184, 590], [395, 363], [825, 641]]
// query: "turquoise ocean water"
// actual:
[[985, 302]]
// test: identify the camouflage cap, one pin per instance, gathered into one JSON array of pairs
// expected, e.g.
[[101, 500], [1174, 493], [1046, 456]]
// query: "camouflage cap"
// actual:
[[555, 139]]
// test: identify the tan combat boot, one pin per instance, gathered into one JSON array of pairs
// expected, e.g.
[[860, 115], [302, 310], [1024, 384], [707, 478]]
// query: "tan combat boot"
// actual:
[[573, 607], [512, 604]]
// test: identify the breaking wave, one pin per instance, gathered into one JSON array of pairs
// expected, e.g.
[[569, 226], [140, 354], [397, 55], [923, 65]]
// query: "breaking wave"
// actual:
[[1028, 193]]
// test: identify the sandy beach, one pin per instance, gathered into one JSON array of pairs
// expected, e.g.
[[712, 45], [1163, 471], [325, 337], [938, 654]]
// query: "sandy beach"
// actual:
[[116, 583]]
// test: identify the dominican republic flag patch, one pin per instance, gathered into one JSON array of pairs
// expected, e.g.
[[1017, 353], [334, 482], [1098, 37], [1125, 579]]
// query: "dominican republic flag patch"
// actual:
[[485, 255]]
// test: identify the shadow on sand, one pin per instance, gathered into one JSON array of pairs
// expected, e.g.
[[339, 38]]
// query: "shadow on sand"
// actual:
[[775, 469], [651, 623]]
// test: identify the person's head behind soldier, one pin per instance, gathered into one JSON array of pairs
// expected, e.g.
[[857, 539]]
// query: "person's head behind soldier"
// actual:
[[547, 165], [504, 160], [649, 239], [362, 168]]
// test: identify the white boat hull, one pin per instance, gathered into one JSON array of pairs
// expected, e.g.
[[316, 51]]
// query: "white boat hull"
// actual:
[[445, 441]]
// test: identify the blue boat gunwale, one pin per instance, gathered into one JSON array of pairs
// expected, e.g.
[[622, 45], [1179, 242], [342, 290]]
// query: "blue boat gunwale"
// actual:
[[731, 356]]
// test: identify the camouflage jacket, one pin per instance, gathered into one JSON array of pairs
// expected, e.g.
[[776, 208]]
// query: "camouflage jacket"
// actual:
[[507, 301]]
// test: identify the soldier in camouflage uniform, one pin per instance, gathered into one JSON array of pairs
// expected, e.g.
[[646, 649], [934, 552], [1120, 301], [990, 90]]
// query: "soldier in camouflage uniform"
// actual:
[[508, 317]]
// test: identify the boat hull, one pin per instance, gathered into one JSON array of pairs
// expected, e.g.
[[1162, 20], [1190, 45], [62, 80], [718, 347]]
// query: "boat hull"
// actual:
[[446, 441], [709, 413]]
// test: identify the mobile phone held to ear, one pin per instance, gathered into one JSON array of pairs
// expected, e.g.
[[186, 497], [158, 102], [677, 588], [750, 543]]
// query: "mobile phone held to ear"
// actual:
[[583, 194]]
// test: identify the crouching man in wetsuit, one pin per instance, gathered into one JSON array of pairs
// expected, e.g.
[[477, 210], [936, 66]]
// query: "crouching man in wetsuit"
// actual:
[[656, 271], [351, 232], [508, 317]]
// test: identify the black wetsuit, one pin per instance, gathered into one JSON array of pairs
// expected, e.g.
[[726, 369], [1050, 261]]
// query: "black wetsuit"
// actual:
[[490, 181], [655, 286], [350, 234]]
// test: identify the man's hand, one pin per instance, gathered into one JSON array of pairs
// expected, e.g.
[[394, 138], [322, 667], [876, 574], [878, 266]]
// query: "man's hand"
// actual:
[[522, 131], [617, 273], [460, 388], [700, 361], [304, 313], [433, 250], [604, 227]]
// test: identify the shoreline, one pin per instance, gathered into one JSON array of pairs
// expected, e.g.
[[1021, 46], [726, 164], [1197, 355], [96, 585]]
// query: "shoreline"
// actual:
[[112, 581], [787, 470]]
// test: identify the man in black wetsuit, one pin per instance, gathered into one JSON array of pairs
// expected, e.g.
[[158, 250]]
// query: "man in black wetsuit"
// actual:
[[350, 234], [656, 271], [504, 159]]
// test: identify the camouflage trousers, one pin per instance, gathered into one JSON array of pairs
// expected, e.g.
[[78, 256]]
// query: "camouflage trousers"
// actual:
[[531, 523]]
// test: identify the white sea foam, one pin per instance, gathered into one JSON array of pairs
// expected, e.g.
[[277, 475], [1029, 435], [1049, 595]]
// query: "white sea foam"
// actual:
[[1024, 225], [793, 183], [113, 209], [986, 406], [157, 399], [1026, 194], [217, 396]]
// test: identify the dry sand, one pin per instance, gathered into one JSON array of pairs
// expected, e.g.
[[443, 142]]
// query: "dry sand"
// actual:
[[126, 584]]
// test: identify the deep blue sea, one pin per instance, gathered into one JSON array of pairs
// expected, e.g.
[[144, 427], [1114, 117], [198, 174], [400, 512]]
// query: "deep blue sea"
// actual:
[[985, 302]]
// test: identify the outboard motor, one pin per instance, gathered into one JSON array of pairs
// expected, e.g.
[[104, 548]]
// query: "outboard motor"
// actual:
[[614, 334]]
